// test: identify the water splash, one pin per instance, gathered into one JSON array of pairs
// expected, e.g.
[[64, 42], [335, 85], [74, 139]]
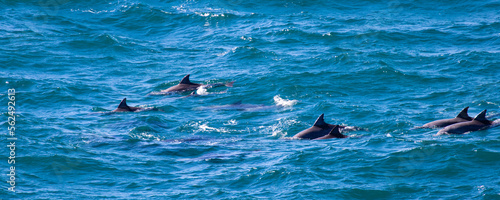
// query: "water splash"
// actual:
[[231, 122], [495, 123], [279, 128], [205, 128], [202, 91], [284, 102]]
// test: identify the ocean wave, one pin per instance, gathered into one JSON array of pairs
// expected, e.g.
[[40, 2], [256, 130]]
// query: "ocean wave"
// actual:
[[200, 126], [99, 41], [248, 52], [145, 133]]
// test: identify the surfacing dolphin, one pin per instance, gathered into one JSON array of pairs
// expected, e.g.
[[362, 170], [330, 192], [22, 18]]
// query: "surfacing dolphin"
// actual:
[[334, 133], [187, 85], [461, 117], [321, 130], [123, 107], [478, 123]]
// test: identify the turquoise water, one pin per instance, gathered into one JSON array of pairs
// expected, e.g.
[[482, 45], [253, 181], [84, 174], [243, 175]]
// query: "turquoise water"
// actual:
[[384, 66]]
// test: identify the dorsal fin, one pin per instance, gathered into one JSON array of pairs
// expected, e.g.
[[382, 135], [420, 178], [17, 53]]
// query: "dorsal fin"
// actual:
[[123, 104], [335, 132], [238, 102], [481, 117], [463, 114], [320, 121], [185, 80]]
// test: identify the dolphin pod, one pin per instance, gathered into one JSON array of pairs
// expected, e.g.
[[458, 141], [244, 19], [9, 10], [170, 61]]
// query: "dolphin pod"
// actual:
[[460, 124], [461, 117], [478, 123]]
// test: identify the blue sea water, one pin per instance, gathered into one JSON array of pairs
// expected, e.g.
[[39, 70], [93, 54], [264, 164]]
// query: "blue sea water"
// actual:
[[384, 66]]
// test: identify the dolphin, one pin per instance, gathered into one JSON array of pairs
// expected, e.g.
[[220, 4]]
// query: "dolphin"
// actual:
[[321, 130], [123, 107], [187, 85], [478, 123], [334, 133], [184, 85], [461, 117]]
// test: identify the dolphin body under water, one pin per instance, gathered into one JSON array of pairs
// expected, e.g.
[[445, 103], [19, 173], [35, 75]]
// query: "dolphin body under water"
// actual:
[[478, 123], [187, 85], [461, 117], [241, 107], [321, 130], [123, 107], [279, 103]]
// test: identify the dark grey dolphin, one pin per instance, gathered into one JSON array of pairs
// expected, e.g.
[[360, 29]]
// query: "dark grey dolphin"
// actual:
[[478, 123], [187, 85], [320, 129], [461, 117], [184, 85], [123, 107], [334, 133]]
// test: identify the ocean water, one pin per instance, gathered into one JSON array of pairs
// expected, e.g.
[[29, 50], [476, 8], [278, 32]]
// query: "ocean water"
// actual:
[[384, 66]]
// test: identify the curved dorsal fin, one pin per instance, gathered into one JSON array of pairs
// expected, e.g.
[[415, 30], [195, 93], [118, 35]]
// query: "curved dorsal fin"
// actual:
[[185, 80], [123, 104], [335, 132], [481, 117], [463, 114], [320, 121]]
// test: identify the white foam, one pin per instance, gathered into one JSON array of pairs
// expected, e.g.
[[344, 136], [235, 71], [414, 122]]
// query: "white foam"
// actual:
[[231, 122], [202, 91], [495, 123], [205, 127], [278, 129], [284, 102]]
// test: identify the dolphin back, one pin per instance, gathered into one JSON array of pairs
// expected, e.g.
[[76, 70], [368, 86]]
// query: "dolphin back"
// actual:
[[461, 117]]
